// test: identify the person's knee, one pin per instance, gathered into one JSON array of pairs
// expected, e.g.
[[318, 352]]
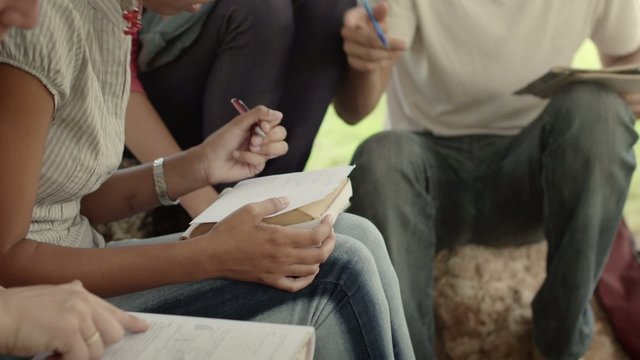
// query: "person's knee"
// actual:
[[594, 118], [365, 231], [353, 266], [268, 19], [385, 151]]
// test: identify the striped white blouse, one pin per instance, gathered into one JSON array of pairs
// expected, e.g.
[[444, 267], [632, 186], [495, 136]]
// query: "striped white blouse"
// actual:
[[80, 53]]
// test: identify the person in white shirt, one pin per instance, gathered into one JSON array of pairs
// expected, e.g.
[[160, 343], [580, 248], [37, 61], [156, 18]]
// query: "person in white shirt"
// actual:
[[468, 161]]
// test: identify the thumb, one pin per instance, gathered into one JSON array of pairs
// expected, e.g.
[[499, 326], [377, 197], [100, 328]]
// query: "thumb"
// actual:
[[270, 206], [380, 10]]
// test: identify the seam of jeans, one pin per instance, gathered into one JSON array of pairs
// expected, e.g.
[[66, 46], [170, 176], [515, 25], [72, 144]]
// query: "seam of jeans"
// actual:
[[348, 300]]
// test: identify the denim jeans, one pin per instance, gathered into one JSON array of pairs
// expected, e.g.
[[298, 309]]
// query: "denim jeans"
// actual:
[[354, 302], [564, 177]]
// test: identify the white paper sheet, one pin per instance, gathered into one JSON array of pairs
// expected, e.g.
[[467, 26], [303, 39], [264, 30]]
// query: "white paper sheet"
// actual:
[[301, 188]]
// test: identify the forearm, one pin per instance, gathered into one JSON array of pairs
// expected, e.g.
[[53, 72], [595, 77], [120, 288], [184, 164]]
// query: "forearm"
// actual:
[[106, 272], [197, 201], [131, 191], [360, 93], [148, 138]]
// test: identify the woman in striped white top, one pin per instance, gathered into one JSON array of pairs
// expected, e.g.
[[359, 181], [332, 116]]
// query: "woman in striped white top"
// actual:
[[61, 138], [46, 318]]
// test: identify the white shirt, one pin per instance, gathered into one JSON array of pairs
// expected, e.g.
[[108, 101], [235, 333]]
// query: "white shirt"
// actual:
[[467, 57]]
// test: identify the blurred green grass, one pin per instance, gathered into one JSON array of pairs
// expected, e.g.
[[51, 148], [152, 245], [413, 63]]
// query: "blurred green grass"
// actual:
[[336, 140]]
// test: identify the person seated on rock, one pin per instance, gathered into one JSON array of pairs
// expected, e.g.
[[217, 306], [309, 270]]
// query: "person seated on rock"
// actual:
[[466, 160], [61, 140]]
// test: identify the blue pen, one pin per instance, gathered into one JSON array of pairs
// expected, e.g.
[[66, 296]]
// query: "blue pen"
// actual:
[[376, 24]]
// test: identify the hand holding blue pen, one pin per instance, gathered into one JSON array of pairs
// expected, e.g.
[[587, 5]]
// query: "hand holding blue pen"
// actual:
[[376, 24]]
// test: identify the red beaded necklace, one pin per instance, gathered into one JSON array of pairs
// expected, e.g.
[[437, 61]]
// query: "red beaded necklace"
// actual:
[[133, 17]]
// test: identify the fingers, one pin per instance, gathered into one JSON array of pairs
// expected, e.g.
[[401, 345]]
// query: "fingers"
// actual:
[[94, 343], [272, 145], [291, 284], [86, 342], [308, 238], [298, 270], [260, 210], [99, 324], [364, 42], [369, 58], [130, 323], [270, 150], [260, 114], [254, 162], [76, 349], [108, 327], [380, 10], [365, 51]]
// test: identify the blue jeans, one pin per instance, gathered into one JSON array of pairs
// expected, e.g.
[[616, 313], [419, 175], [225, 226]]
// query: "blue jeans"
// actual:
[[564, 177], [354, 302]]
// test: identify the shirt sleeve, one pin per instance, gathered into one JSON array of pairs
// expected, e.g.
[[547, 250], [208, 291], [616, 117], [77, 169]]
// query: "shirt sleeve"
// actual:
[[616, 30], [402, 20], [136, 85], [51, 51]]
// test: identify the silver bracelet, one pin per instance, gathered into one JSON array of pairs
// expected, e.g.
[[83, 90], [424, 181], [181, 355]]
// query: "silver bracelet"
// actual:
[[161, 184]]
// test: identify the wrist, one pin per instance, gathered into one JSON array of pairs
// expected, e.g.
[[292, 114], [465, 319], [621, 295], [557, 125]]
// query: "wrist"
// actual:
[[160, 183], [200, 159], [209, 258], [183, 173]]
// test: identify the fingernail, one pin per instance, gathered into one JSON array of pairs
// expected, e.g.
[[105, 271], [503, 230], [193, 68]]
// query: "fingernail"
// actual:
[[284, 201], [258, 131]]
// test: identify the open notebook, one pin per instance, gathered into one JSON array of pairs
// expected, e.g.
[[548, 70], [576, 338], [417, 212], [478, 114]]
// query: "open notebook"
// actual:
[[172, 337]]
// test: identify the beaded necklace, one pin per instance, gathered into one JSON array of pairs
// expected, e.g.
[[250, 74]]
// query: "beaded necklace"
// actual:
[[133, 17]]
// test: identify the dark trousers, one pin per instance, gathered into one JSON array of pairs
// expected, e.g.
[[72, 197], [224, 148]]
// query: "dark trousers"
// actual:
[[285, 54], [565, 176]]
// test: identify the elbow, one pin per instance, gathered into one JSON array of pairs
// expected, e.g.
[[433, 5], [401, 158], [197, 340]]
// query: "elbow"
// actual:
[[350, 116]]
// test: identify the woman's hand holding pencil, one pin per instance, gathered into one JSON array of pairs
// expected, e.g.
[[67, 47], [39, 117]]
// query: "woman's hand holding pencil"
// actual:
[[241, 148]]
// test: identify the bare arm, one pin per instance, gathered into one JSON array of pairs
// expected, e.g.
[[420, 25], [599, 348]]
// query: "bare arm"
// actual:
[[370, 64], [25, 114], [148, 138], [241, 247], [225, 156]]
